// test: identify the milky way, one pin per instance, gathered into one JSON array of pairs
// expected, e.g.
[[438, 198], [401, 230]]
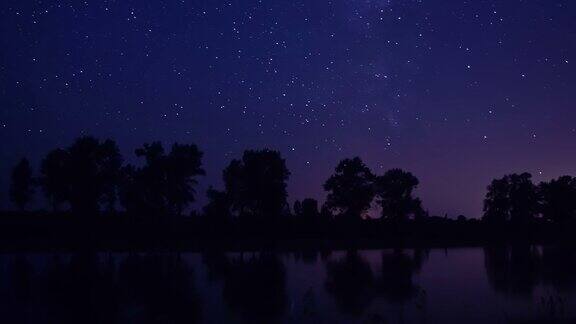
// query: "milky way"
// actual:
[[457, 92]]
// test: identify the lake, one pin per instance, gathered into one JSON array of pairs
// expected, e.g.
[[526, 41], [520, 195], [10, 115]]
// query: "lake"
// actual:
[[514, 284]]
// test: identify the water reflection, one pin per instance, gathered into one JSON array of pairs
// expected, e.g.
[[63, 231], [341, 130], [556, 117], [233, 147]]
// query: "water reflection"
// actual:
[[532, 283], [512, 270], [355, 286], [351, 282], [88, 288], [254, 285], [398, 268], [519, 269], [559, 268]]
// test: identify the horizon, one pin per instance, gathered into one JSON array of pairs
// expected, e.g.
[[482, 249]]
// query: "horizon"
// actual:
[[39, 201]]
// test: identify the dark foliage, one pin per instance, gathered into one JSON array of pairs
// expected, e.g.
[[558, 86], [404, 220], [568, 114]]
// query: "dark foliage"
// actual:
[[512, 198], [84, 175], [218, 210], [307, 210], [394, 192], [256, 185], [350, 189], [22, 186], [558, 199], [165, 184], [53, 174]]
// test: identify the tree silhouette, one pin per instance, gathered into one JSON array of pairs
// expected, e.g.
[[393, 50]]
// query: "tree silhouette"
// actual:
[[89, 163], [350, 188], [310, 209], [165, 184], [84, 175], [218, 210], [84, 180], [256, 185], [297, 209], [512, 198], [394, 192], [21, 187], [150, 180], [54, 177], [558, 199], [184, 164], [306, 210], [111, 165]]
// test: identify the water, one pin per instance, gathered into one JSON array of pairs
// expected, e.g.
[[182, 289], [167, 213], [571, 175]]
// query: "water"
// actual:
[[467, 285]]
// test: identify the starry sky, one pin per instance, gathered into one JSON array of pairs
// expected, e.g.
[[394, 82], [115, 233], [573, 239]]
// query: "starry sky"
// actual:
[[457, 92]]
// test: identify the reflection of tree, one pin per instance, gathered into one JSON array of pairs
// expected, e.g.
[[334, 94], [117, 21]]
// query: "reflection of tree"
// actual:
[[161, 286], [350, 281], [512, 270], [217, 264], [80, 290], [559, 267], [307, 256], [518, 269], [88, 289], [396, 284], [354, 286], [15, 299], [253, 287], [21, 274]]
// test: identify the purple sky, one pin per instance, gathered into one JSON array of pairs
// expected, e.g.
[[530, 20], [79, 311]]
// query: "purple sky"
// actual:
[[457, 92]]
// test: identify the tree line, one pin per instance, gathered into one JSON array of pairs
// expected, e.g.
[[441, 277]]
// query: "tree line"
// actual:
[[515, 198], [90, 177]]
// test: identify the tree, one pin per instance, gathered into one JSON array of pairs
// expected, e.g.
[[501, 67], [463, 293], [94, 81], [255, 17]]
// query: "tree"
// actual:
[[143, 189], [325, 214], [111, 165], [54, 177], [91, 165], [512, 198], [218, 209], [350, 188], [297, 208], [496, 203], [21, 188], [184, 164], [394, 192], [558, 199], [84, 175], [132, 191], [256, 184], [310, 209], [165, 184]]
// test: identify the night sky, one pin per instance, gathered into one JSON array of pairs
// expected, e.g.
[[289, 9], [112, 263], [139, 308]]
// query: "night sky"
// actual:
[[457, 92]]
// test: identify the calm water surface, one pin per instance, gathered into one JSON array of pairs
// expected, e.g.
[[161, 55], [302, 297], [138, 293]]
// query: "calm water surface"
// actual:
[[469, 285]]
